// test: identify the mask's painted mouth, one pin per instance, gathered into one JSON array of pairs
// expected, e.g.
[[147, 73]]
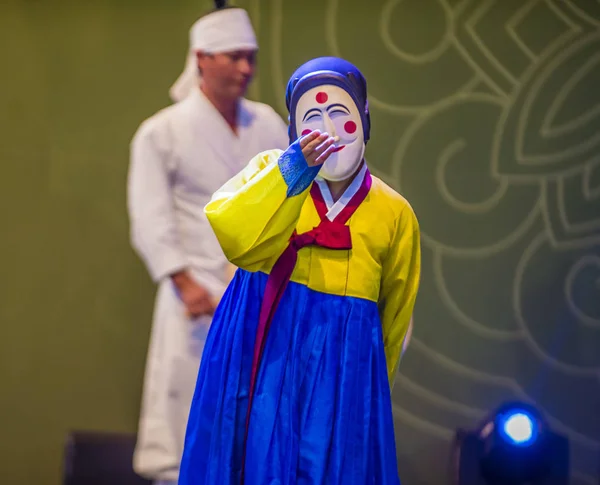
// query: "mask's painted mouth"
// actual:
[[337, 149]]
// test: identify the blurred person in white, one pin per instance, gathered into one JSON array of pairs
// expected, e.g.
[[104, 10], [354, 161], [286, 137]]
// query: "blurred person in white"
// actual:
[[179, 157]]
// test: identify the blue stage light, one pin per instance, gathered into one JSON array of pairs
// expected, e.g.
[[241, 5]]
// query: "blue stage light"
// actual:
[[518, 427], [513, 445]]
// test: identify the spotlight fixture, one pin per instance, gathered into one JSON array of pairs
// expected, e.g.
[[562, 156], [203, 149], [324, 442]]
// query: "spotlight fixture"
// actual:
[[514, 445]]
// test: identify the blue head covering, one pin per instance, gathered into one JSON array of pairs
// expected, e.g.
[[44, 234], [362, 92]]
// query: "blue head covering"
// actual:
[[328, 70]]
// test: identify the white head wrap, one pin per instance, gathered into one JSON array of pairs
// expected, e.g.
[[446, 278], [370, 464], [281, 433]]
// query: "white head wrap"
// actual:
[[225, 30]]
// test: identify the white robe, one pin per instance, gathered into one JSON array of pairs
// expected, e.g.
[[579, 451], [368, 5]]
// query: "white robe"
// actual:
[[179, 158]]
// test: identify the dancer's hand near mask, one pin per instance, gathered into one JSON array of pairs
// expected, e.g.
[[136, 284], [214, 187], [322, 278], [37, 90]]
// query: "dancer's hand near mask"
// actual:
[[316, 147]]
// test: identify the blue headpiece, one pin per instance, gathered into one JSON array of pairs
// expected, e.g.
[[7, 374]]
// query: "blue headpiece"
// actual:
[[328, 70]]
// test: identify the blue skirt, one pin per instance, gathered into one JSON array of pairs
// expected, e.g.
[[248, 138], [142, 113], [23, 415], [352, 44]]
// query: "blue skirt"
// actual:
[[322, 410]]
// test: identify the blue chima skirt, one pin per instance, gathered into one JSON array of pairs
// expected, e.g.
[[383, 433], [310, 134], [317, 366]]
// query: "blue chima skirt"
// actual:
[[322, 410]]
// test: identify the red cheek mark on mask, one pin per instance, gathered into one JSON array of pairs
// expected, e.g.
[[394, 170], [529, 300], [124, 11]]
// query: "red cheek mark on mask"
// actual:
[[350, 127], [306, 132], [321, 97]]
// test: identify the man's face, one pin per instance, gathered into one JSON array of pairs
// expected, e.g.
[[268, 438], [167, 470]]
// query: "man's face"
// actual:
[[330, 108], [228, 74]]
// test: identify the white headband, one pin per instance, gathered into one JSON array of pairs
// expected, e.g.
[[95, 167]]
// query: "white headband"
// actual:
[[225, 30]]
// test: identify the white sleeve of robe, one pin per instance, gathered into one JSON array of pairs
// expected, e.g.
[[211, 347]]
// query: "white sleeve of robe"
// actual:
[[154, 233]]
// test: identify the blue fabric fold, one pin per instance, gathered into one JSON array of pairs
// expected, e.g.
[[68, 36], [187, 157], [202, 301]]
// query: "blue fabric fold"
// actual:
[[322, 410]]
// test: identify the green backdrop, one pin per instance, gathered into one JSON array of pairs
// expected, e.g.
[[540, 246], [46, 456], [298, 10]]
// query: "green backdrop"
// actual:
[[486, 116]]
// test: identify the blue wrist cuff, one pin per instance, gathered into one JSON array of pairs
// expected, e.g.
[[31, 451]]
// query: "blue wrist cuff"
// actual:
[[295, 171]]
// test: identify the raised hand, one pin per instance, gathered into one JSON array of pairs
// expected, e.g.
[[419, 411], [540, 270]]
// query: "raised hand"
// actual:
[[316, 147]]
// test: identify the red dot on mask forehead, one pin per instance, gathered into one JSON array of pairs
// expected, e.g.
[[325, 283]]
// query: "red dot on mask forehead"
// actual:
[[321, 97], [350, 126]]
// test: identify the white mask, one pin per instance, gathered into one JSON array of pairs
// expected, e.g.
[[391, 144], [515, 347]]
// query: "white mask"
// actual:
[[331, 109]]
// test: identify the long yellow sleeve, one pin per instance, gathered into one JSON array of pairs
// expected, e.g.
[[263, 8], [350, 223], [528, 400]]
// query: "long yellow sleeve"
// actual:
[[255, 213], [400, 283]]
